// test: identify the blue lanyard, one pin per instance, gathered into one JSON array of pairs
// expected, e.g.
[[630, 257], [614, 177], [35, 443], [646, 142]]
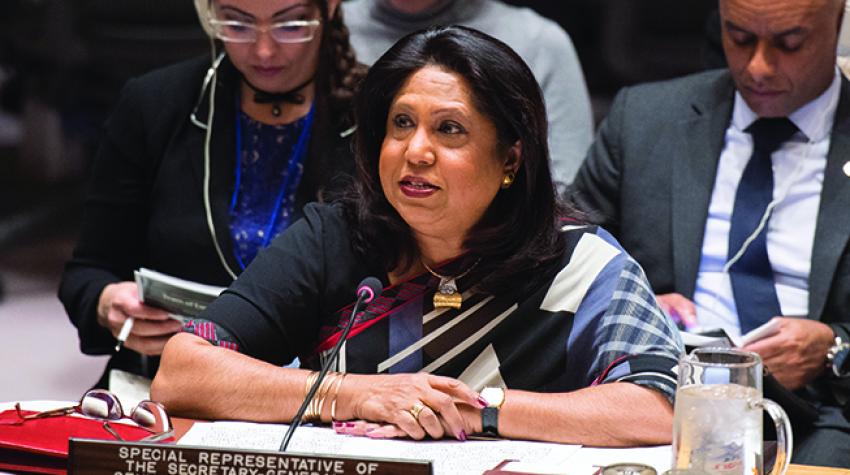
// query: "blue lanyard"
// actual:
[[295, 159]]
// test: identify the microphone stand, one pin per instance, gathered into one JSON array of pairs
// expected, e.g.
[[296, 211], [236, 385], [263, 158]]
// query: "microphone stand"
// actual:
[[296, 421]]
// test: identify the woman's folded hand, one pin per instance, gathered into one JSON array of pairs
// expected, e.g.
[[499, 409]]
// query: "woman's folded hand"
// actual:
[[405, 405]]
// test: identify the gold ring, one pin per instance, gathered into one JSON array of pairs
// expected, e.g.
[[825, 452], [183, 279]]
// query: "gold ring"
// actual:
[[416, 410]]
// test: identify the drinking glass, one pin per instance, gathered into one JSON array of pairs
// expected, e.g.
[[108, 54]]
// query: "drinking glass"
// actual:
[[717, 419]]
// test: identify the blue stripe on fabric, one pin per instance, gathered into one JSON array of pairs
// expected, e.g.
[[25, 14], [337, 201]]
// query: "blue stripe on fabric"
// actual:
[[405, 329], [619, 316], [617, 372], [589, 314]]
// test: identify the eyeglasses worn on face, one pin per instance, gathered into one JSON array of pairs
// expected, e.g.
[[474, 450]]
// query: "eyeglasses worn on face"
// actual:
[[295, 31], [103, 405]]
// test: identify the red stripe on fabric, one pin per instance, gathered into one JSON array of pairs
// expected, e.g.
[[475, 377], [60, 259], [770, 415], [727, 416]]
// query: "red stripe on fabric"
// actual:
[[209, 331], [229, 345], [602, 376], [401, 284], [400, 287], [383, 302], [355, 330], [379, 309], [408, 290]]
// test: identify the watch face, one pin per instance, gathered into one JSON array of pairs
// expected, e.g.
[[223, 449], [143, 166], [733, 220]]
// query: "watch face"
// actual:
[[494, 396]]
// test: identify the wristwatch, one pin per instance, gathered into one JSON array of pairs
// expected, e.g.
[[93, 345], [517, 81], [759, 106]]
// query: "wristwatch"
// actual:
[[494, 398], [838, 358]]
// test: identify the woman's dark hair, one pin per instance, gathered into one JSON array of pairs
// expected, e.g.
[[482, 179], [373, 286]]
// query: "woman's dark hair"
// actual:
[[519, 231], [338, 74]]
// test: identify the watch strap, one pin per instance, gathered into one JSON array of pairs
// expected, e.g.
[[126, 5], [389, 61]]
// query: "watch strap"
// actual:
[[490, 421]]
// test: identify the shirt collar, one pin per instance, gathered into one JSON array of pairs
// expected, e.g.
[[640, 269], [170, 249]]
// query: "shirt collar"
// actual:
[[814, 119]]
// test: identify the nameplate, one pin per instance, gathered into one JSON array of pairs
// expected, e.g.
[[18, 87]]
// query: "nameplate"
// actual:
[[98, 457]]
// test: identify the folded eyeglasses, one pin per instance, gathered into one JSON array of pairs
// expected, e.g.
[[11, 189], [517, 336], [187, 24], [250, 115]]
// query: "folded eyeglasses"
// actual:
[[103, 405]]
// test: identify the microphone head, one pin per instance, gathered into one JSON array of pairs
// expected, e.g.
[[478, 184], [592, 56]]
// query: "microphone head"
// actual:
[[372, 287]]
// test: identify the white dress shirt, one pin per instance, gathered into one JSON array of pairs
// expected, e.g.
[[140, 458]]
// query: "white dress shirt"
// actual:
[[798, 167]]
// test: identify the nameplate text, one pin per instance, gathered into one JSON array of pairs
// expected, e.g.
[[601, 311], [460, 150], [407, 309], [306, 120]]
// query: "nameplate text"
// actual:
[[98, 457]]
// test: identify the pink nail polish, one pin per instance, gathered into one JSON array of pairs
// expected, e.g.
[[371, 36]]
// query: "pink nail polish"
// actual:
[[337, 424], [462, 436], [481, 403], [349, 424]]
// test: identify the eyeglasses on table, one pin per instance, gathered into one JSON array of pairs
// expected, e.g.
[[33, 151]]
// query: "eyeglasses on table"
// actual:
[[104, 406]]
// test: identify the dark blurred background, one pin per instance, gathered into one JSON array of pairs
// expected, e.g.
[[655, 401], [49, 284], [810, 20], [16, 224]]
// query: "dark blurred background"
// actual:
[[63, 62]]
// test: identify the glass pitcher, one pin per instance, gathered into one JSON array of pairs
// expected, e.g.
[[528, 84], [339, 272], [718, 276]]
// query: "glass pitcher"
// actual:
[[717, 421]]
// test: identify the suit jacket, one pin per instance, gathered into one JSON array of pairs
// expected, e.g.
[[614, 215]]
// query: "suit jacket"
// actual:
[[650, 175], [145, 204]]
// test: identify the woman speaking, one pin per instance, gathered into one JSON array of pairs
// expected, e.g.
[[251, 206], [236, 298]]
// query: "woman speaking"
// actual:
[[502, 313]]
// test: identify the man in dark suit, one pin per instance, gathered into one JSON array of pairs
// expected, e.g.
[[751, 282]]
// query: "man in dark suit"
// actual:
[[732, 189]]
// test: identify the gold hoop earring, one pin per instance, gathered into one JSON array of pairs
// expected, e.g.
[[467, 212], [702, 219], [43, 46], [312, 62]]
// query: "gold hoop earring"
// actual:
[[508, 180]]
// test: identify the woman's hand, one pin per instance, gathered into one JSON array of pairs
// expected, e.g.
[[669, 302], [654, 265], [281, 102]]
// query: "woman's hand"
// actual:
[[152, 327], [375, 430], [391, 401]]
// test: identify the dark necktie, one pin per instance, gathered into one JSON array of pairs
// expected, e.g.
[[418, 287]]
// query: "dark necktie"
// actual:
[[752, 274]]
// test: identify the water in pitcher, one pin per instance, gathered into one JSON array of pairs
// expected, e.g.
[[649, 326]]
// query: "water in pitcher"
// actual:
[[716, 430]]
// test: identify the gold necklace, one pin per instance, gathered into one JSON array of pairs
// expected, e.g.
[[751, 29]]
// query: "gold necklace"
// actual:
[[447, 295]]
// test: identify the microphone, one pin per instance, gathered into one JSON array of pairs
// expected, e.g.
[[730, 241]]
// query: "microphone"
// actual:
[[368, 289]]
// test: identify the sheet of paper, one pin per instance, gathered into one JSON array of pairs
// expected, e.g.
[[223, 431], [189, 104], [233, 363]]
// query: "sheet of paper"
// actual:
[[719, 337], [181, 298], [449, 457], [694, 339], [768, 329], [130, 388]]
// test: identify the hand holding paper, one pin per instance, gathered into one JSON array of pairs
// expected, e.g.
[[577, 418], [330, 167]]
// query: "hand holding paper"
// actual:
[[119, 303], [796, 352], [768, 329]]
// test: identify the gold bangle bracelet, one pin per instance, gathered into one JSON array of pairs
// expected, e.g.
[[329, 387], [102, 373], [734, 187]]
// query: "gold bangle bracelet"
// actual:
[[334, 397], [311, 379], [314, 412], [319, 400]]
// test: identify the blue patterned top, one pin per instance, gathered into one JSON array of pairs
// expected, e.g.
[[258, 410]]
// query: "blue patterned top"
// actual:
[[268, 170], [596, 319]]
